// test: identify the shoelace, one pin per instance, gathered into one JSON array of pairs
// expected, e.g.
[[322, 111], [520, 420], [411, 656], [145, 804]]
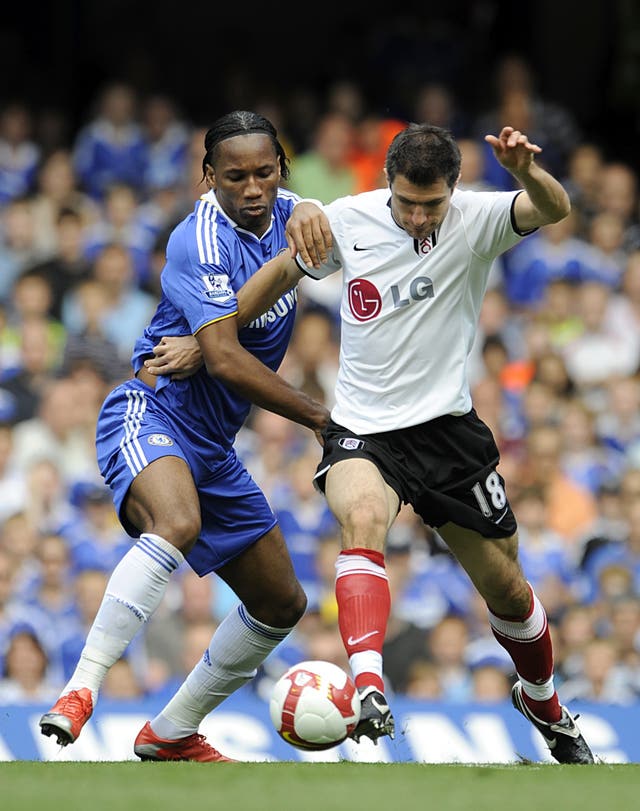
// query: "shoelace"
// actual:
[[568, 721], [73, 702], [197, 739]]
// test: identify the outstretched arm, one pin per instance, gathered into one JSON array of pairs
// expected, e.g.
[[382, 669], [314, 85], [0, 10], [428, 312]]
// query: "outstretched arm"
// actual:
[[545, 200], [265, 287], [180, 356], [227, 360]]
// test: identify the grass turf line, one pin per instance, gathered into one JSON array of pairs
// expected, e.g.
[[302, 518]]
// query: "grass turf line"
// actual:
[[133, 786]]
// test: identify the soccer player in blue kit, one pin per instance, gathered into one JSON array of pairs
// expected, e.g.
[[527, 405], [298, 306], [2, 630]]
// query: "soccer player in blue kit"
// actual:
[[166, 448]]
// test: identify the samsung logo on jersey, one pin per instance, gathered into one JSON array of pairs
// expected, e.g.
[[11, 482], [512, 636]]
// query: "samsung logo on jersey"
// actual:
[[280, 309]]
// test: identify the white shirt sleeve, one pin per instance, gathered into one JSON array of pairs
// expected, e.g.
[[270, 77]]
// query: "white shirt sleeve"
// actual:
[[332, 265], [334, 262]]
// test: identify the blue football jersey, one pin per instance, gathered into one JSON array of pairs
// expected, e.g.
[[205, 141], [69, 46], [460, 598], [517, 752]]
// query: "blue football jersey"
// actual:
[[209, 258], [102, 156]]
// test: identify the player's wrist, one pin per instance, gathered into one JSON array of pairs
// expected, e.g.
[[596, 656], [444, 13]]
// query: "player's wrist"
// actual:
[[309, 200]]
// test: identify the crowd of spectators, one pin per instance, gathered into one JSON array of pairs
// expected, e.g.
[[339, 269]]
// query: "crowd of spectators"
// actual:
[[555, 371]]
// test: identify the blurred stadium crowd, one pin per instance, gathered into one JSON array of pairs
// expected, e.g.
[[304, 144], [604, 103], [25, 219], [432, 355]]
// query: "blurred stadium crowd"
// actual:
[[555, 372]]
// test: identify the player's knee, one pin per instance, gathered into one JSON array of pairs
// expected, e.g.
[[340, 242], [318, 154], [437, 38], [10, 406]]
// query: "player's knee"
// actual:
[[364, 522], [512, 598], [286, 611], [181, 529], [293, 609]]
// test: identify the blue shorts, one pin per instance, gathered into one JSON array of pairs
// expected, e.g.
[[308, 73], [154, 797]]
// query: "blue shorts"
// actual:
[[135, 427]]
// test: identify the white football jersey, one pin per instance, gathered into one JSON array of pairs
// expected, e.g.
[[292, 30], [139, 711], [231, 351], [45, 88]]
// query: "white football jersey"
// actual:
[[409, 308]]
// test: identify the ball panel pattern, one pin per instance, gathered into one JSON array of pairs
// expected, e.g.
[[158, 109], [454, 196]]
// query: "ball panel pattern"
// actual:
[[315, 705]]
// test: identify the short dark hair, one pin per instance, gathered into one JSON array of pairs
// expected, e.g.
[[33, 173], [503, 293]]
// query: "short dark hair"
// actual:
[[242, 122], [424, 153]]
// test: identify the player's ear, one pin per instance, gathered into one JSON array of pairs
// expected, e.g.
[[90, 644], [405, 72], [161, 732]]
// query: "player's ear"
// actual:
[[386, 175], [210, 177]]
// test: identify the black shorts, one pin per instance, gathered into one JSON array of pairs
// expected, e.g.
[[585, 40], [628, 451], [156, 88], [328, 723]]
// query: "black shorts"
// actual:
[[444, 468]]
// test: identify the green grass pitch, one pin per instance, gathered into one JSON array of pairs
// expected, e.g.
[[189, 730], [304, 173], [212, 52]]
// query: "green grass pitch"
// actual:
[[132, 786]]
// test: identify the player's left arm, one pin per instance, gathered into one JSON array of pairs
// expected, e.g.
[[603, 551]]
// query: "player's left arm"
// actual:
[[263, 288], [544, 199], [180, 355], [308, 236]]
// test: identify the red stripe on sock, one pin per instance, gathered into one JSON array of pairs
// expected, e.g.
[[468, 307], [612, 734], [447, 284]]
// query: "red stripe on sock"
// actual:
[[371, 554]]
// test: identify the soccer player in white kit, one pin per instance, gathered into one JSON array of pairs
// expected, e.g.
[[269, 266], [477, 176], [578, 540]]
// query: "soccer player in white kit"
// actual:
[[415, 259]]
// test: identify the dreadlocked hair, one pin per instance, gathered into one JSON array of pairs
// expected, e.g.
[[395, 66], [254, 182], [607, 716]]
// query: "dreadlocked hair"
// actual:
[[242, 122]]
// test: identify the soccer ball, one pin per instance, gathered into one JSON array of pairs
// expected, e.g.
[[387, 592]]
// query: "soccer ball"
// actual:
[[314, 705]]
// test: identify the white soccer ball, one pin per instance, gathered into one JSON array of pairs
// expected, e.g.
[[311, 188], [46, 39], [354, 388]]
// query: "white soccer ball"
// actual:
[[314, 705]]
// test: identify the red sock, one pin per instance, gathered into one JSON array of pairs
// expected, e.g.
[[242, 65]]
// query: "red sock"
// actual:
[[528, 642], [364, 602], [549, 710]]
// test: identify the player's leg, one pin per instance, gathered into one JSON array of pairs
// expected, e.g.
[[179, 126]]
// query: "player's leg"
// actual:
[[265, 581], [155, 495], [519, 623], [517, 618], [272, 602], [164, 501], [242, 542], [365, 507]]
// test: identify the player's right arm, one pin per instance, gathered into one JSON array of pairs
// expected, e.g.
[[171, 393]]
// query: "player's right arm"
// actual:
[[310, 241], [199, 281], [228, 361]]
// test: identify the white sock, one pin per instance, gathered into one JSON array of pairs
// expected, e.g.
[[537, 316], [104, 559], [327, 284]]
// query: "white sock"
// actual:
[[366, 661], [539, 692], [239, 645], [133, 593]]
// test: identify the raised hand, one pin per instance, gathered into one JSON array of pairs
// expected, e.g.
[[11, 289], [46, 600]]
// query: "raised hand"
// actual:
[[513, 150]]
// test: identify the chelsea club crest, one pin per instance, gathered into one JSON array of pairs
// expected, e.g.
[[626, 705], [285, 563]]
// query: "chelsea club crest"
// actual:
[[160, 439]]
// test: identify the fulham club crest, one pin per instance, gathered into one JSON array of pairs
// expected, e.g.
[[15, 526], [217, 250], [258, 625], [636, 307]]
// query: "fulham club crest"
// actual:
[[350, 443], [423, 246]]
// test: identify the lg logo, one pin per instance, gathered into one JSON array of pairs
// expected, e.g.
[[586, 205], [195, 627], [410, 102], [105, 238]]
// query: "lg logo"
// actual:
[[420, 288], [365, 300]]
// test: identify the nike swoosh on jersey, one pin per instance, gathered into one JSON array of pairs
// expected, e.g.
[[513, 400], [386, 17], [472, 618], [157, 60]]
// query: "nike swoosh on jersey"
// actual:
[[352, 641], [357, 247]]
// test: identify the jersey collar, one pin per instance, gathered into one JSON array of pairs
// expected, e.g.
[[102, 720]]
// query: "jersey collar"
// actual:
[[434, 236], [210, 197]]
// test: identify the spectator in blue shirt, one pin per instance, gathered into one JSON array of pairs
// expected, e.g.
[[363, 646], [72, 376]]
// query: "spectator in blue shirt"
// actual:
[[111, 146]]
